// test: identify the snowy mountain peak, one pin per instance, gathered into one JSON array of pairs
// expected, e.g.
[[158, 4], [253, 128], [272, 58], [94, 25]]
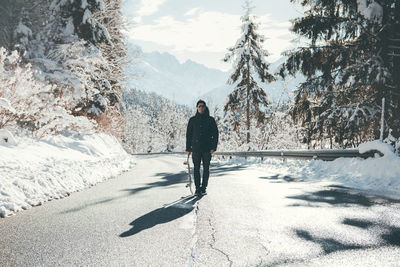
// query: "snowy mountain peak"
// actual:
[[183, 83], [162, 61], [187, 82]]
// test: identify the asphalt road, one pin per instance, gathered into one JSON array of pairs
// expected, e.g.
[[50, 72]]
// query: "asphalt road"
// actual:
[[146, 218]]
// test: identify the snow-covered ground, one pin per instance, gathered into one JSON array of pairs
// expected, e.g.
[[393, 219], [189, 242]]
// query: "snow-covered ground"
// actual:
[[35, 171], [378, 176], [248, 218]]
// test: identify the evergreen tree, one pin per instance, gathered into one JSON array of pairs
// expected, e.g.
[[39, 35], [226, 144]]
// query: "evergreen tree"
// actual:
[[248, 101], [9, 10], [351, 62]]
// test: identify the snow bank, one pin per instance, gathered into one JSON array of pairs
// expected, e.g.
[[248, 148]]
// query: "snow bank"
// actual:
[[36, 171], [386, 149], [378, 176], [6, 138]]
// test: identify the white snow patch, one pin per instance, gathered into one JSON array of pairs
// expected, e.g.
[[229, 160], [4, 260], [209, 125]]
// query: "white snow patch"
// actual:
[[379, 176], [385, 149], [23, 29], [84, 4], [373, 11], [6, 138], [5, 104], [86, 16], [69, 28], [36, 171]]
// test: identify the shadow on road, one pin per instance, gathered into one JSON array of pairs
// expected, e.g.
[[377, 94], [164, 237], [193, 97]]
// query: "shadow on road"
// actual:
[[328, 245], [390, 234], [162, 215], [389, 237], [333, 196], [87, 205], [219, 169], [363, 224], [166, 180], [341, 196], [281, 179]]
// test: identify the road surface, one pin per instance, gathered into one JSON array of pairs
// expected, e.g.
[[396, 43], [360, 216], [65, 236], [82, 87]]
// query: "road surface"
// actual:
[[247, 219]]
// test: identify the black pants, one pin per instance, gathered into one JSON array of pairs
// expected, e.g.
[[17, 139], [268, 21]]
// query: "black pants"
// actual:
[[197, 157]]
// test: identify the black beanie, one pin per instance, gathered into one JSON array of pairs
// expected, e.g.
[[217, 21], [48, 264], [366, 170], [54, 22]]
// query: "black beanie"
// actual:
[[201, 101]]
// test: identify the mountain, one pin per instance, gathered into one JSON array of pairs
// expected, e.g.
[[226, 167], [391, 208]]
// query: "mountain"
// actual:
[[278, 91], [187, 82], [163, 74]]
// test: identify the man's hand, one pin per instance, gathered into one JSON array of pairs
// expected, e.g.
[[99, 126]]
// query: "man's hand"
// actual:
[[188, 153], [212, 151]]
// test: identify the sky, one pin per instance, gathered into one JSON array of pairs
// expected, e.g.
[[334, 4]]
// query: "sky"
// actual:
[[203, 30]]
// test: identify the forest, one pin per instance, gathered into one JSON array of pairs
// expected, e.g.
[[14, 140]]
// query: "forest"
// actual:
[[62, 70]]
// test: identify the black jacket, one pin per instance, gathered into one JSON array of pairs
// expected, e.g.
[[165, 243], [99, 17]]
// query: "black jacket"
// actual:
[[202, 133]]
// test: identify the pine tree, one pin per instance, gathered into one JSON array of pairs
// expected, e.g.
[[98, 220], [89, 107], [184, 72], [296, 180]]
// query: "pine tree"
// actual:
[[10, 12], [351, 63], [248, 99]]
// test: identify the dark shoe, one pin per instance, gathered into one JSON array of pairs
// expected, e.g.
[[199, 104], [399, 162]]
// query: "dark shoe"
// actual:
[[203, 191], [197, 192]]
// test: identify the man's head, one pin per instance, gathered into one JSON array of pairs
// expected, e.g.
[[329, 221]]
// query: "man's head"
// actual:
[[201, 106]]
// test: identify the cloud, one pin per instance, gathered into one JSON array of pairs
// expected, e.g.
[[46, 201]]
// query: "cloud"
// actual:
[[192, 11], [210, 32], [149, 7]]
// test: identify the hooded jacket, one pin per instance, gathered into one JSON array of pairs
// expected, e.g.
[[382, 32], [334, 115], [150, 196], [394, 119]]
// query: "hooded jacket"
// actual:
[[202, 133]]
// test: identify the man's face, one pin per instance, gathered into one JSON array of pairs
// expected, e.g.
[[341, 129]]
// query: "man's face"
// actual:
[[200, 108]]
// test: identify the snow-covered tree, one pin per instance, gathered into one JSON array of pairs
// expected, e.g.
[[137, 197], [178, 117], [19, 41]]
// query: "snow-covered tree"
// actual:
[[153, 123], [5, 19], [351, 62], [248, 101], [77, 46], [32, 104]]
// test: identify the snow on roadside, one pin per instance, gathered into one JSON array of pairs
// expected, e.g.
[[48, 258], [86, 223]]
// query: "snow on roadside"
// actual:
[[378, 176], [35, 171], [378, 145]]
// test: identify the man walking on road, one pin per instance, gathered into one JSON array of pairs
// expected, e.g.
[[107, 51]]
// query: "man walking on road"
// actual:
[[201, 141]]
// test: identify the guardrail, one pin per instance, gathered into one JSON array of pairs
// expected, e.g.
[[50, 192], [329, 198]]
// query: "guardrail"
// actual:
[[326, 154]]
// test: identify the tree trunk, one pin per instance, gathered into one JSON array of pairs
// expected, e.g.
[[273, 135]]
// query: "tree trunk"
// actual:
[[248, 103], [382, 119]]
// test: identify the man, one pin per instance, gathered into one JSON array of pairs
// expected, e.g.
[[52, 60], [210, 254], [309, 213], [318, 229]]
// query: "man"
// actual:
[[201, 141]]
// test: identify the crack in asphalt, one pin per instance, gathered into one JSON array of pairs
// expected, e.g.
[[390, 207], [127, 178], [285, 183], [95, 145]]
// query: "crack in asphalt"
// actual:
[[192, 257], [260, 241], [213, 242]]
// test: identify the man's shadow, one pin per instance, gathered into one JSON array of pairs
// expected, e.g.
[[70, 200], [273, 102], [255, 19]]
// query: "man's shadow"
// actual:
[[165, 214]]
